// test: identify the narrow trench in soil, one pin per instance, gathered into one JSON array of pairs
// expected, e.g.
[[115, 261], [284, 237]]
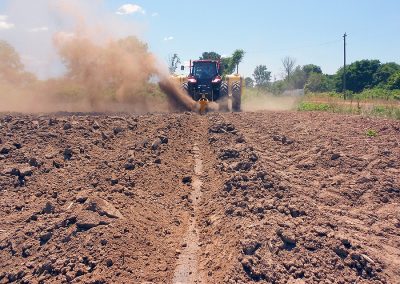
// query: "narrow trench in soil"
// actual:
[[186, 269]]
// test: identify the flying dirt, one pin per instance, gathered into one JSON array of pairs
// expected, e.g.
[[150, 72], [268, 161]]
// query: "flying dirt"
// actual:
[[103, 72], [111, 76]]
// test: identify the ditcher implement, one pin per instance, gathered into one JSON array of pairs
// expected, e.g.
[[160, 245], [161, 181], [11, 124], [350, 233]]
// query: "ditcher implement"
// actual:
[[205, 84]]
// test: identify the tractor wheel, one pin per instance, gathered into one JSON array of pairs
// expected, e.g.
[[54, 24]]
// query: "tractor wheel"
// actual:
[[236, 96], [223, 97]]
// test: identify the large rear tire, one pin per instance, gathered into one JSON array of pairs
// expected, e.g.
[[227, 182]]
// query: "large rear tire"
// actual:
[[236, 96], [223, 97]]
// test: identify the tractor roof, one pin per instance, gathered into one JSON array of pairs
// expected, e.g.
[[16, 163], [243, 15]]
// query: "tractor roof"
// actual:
[[206, 61]]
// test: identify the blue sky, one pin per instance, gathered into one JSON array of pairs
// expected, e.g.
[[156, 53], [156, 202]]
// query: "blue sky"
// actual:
[[308, 30]]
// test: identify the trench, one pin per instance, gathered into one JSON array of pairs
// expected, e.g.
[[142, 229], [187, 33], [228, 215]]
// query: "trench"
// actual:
[[186, 271]]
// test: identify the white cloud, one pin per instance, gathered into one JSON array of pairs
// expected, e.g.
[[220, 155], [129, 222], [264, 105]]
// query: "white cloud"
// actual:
[[4, 25], [39, 29], [168, 38], [155, 14], [127, 9]]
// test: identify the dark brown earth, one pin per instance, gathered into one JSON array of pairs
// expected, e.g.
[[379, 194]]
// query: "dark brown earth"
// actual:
[[286, 197]]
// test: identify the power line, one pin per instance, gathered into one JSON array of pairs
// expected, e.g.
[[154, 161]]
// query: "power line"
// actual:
[[298, 47]]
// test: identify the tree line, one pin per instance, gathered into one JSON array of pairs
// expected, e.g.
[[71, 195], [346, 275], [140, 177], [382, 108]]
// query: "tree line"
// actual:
[[360, 75], [11, 68]]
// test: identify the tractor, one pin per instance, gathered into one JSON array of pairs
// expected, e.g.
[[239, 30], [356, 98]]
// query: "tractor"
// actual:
[[205, 84]]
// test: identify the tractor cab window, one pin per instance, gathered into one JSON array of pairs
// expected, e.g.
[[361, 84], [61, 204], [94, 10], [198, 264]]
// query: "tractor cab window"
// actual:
[[205, 70]]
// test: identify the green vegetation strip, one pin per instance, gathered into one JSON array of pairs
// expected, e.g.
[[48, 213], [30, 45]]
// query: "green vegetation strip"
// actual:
[[359, 107]]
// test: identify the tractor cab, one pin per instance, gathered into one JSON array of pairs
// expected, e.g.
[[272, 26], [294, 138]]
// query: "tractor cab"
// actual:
[[205, 69], [205, 84], [204, 81]]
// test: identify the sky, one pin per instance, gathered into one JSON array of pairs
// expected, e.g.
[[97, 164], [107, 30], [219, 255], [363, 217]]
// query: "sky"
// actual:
[[309, 31]]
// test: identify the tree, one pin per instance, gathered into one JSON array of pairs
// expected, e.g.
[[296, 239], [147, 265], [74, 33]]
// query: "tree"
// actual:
[[228, 64], [317, 82], [249, 82], [10, 62], [297, 79], [211, 55], [394, 82], [288, 65], [262, 76], [278, 87], [311, 68], [236, 58], [11, 68], [359, 76], [384, 72], [225, 62], [173, 61]]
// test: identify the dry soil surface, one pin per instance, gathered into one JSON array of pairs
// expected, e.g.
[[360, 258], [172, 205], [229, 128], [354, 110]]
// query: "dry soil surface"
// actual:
[[273, 197]]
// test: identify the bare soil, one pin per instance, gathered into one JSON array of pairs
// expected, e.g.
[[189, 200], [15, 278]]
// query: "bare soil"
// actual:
[[271, 197]]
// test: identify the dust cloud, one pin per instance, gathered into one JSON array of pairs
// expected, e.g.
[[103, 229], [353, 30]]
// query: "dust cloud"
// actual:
[[176, 96], [103, 74], [268, 101]]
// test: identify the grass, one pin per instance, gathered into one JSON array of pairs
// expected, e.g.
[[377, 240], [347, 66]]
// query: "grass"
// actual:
[[371, 133], [361, 104], [311, 106]]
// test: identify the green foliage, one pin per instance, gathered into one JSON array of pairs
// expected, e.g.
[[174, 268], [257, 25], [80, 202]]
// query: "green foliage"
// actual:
[[278, 87], [371, 133], [362, 104], [297, 79], [236, 58], [394, 82], [211, 55], [311, 68], [300, 76], [368, 74], [313, 106], [384, 72], [228, 64], [262, 76], [249, 82], [318, 82], [368, 94], [369, 78], [359, 76], [378, 93]]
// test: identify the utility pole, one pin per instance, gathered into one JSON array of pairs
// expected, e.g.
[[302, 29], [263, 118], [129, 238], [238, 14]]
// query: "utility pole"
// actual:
[[344, 66]]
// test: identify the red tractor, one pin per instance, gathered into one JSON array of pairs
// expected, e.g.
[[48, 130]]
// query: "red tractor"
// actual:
[[205, 83]]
